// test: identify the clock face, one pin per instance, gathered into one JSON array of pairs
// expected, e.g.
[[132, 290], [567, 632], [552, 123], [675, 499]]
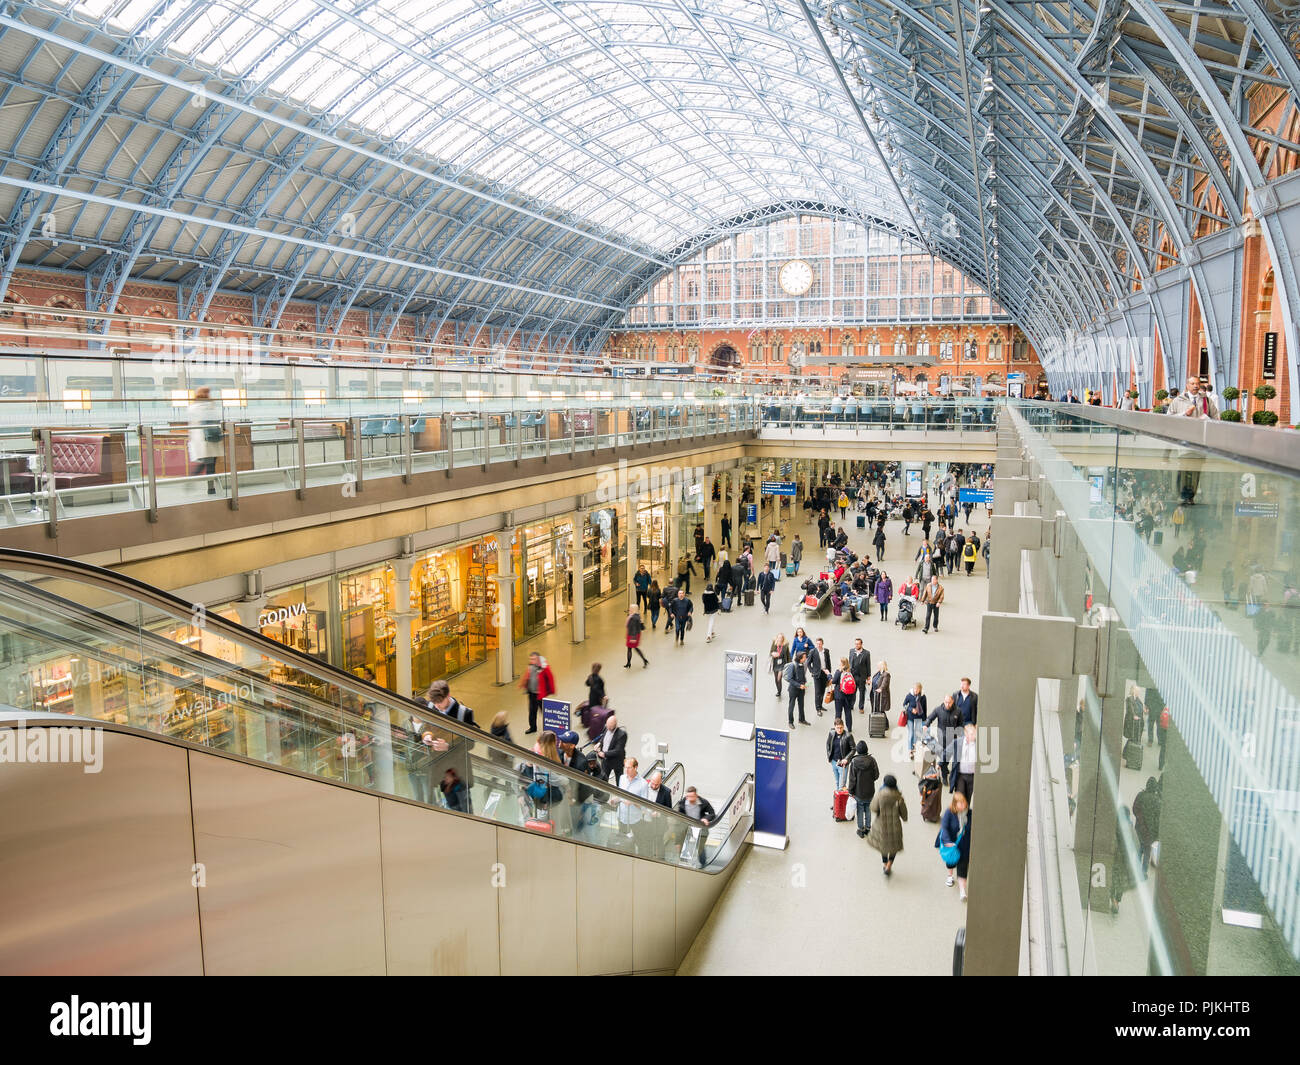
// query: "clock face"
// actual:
[[796, 277]]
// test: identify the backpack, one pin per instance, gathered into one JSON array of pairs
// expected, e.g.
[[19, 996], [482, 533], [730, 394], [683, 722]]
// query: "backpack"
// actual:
[[1164, 718], [968, 553], [848, 686]]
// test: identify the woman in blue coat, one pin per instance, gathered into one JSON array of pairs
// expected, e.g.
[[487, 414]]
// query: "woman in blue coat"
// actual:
[[917, 709], [953, 841], [800, 643]]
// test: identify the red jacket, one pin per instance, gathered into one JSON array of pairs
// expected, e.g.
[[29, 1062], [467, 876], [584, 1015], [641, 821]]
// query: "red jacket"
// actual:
[[545, 682]]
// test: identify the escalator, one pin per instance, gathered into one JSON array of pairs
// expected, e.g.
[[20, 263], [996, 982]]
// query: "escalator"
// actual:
[[187, 796]]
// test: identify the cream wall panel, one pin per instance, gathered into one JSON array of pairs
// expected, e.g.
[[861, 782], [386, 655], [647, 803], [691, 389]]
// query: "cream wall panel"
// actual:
[[539, 927], [605, 886], [696, 895], [440, 905], [654, 902], [293, 872], [95, 868]]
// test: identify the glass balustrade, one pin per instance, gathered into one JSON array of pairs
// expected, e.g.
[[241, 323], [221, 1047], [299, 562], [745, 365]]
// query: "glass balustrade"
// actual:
[[1176, 770], [90, 644]]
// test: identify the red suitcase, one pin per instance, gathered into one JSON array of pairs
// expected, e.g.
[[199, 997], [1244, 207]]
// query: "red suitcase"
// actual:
[[535, 825], [842, 805]]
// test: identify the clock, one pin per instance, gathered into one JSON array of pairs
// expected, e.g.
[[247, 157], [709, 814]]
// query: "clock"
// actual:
[[796, 277]]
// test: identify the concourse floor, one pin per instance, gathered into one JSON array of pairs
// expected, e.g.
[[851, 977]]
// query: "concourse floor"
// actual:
[[822, 906]]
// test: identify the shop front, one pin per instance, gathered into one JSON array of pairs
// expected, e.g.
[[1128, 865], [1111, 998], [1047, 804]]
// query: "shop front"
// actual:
[[604, 555], [547, 589]]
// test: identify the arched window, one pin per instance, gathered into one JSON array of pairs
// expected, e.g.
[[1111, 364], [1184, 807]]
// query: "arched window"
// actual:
[[972, 350], [1020, 349], [846, 345], [900, 348], [995, 347]]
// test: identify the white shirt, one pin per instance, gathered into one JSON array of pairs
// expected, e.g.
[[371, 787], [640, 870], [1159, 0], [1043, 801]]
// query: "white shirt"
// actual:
[[630, 813]]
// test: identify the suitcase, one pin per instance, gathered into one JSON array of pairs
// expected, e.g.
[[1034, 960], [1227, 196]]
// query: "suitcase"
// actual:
[[842, 805], [877, 726], [928, 761], [725, 604], [536, 825], [930, 802], [1132, 755], [789, 570], [749, 596], [862, 521], [1158, 537]]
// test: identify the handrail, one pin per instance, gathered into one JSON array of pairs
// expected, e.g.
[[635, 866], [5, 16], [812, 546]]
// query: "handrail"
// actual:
[[1275, 448], [63, 569]]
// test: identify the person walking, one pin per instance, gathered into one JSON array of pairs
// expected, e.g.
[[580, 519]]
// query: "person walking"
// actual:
[[917, 710], [611, 748], [884, 594], [796, 684], [948, 718], [772, 555], [801, 642], [641, 582], [963, 771], [796, 553], [203, 442], [634, 629], [888, 812], [880, 697], [932, 597], [879, 541], [844, 700], [595, 686], [1146, 820], [967, 702], [539, 682], [682, 610], [860, 666], [685, 571], [726, 532], [655, 603], [766, 583], [667, 601], [780, 656], [706, 556], [819, 668], [712, 607], [863, 774], [953, 841], [840, 749]]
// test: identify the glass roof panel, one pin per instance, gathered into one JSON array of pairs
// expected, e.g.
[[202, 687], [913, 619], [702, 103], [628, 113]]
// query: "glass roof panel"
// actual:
[[643, 119]]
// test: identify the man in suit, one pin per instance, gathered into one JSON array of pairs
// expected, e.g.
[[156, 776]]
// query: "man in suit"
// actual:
[[819, 668], [860, 667], [796, 679], [612, 749], [967, 702], [766, 582]]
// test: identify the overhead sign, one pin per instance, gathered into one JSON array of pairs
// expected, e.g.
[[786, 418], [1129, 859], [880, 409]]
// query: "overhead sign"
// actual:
[[751, 513], [1256, 510], [787, 468], [913, 481], [778, 488], [975, 495]]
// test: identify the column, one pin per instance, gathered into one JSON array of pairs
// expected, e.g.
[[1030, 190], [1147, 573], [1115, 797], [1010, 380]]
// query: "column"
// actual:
[[633, 548], [249, 610], [807, 480], [579, 520], [733, 503], [758, 504], [505, 579], [709, 517], [403, 615]]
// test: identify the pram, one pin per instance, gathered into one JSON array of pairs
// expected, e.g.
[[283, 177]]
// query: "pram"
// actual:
[[906, 612]]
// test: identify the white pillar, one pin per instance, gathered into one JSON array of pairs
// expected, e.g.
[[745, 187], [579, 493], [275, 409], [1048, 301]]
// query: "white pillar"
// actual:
[[505, 579], [579, 521], [733, 506], [249, 610], [403, 615], [758, 506], [633, 549]]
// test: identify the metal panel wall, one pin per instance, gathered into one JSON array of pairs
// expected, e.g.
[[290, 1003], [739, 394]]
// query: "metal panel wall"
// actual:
[[539, 913], [605, 912], [293, 872], [95, 868]]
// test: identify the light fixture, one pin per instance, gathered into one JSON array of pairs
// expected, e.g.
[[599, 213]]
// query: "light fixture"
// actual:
[[234, 397], [986, 85], [411, 395], [180, 397], [76, 399], [313, 397], [473, 397], [989, 137], [557, 395]]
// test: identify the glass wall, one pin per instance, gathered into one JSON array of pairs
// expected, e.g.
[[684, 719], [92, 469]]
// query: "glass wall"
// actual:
[[1181, 762]]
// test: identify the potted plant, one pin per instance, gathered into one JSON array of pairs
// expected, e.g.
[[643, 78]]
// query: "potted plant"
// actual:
[[1230, 416], [1264, 417], [1265, 392], [1231, 393]]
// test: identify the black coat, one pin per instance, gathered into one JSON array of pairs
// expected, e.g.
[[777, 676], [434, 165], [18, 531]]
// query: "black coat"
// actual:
[[863, 774], [723, 577], [848, 746], [617, 748]]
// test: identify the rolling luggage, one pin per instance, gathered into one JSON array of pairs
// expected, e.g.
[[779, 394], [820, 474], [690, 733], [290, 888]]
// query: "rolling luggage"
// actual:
[[789, 570], [1158, 537], [749, 596], [1132, 755], [877, 726], [931, 788], [862, 521], [725, 604], [842, 805]]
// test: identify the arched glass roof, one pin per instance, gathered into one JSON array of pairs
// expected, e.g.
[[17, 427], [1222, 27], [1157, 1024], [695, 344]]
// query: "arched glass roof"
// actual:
[[531, 165]]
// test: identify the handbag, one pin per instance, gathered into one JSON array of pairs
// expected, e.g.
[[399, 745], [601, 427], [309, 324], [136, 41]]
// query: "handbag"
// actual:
[[902, 719], [950, 853], [212, 433], [830, 697]]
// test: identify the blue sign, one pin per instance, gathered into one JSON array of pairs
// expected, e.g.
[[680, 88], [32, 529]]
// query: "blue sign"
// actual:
[[751, 513], [555, 715], [975, 495], [778, 488], [771, 780], [787, 468], [1256, 510]]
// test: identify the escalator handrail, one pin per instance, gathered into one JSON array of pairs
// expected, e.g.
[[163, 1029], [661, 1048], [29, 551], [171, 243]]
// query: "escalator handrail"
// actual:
[[68, 569]]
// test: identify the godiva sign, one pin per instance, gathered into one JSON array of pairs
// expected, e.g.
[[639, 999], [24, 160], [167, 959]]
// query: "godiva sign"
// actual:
[[284, 613]]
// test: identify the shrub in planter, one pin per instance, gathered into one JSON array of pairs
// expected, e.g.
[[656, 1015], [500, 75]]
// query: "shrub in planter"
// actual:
[[1230, 416], [1162, 395], [1265, 392], [1132, 393], [1264, 417], [1158, 408], [1231, 392]]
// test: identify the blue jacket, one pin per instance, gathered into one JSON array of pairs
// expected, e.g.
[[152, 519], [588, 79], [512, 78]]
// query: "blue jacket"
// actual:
[[950, 829], [766, 581], [916, 706], [801, 643], [968, 705]]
